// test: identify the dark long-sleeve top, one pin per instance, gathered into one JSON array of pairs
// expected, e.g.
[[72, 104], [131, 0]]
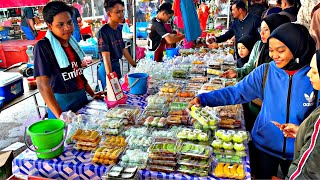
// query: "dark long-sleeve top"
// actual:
[[248, 26]]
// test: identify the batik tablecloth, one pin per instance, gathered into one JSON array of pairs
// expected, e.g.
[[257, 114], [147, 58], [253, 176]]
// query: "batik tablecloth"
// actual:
[[71, 164]]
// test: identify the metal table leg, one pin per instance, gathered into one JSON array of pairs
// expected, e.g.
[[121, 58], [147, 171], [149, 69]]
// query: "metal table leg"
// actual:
[[37, 106]]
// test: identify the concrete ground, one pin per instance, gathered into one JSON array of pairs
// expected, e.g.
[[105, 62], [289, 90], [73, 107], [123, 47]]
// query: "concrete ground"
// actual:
[[15, 119]]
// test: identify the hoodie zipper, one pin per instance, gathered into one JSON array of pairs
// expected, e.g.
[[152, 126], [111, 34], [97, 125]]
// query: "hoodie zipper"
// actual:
[[287, 118]]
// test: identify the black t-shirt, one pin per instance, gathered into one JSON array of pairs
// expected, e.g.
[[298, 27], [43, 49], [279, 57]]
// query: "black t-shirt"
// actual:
[[28, 13], [156, 31], [62, 80], [110, 40]]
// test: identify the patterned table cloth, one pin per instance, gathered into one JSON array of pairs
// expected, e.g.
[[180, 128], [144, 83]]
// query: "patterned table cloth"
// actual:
[[73, 164]]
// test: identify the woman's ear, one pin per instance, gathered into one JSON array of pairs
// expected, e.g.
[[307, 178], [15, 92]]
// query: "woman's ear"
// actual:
[[49, 26]]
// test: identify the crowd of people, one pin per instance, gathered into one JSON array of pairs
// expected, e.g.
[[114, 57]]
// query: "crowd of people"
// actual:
[[278, 69]]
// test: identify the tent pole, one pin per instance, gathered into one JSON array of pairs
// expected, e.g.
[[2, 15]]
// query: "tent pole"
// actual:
[[134, 30]]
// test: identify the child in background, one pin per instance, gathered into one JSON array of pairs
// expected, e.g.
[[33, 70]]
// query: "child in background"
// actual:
[[245, 45]]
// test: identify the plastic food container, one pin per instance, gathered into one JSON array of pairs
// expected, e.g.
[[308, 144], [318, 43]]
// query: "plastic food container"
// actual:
[[227, 170], [196, 150], [107, 154]]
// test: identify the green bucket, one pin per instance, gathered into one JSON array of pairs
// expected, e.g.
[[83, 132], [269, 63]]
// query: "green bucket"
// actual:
[[47, 138]]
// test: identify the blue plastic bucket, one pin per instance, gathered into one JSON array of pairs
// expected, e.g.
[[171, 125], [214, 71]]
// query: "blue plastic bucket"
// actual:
[[172, 52], [138, 83]]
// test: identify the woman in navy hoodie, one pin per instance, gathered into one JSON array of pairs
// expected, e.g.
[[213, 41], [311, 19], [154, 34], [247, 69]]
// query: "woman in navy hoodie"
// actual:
[[283, 92]]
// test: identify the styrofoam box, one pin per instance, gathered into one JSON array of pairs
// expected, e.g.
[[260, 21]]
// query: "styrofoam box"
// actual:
[[11, 85]]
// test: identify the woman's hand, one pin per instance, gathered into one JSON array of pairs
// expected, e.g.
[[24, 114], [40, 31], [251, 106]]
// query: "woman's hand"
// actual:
[[289, 130], [195, 102], [98, 95], [231, 73]]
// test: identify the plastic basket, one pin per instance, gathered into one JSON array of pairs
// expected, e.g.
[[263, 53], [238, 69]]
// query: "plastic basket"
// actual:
[[91, 50]]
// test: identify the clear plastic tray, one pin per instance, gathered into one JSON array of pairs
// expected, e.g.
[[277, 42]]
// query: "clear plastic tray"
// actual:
[[178, 105], [106, 154], [161, 168], [162, 162], [111, 123], [85, 135], [160, 157], [195, 162], [236, 136], [135, 157], [230, 111], [216, 80], [203, 116], [196, 150], [177, 111], [152, 121], [124, 173], [179, 73], [136, 131], [228, 158], [139, 142], [186, 94], [193, 135], [115, 141], [156, 99], [227, 170], [193, 170], [125, 112], [164, 148], [199, 79], [197, 70], [178, 120], [222, 151], [211, 87]]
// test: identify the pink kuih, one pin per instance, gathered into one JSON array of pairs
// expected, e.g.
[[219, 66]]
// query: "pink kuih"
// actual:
[[112, 104]]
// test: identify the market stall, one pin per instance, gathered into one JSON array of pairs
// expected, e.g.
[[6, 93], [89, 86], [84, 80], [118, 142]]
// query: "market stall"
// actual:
[[153, 135]]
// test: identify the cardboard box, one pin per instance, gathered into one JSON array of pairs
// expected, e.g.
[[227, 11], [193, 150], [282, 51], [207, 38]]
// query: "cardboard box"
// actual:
[[6, 164]]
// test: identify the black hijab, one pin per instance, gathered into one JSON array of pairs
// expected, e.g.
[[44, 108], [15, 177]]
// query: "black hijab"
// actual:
[[273, 21], [297, 38], [248, 41]]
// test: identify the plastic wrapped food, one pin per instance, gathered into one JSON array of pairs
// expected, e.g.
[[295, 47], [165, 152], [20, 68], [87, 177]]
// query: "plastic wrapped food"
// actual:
[[135, 157], [196, 150], [193, 170], [227, 170], [107, 154], [115, 141]]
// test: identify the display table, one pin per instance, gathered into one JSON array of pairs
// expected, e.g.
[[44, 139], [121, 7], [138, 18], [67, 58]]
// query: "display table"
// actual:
[[73, 164]]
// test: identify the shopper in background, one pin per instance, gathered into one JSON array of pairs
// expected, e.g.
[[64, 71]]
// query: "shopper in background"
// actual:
[[290, 9], [244, 45], [273, 9], [260, 52], [315, 25], [58, 63], [76, 18], [86, 9], [257, 7], [282, 85], [27, 24], [75, 4], [305, 10], [159, 34], [244, 24], [305, 164], [110, 42]]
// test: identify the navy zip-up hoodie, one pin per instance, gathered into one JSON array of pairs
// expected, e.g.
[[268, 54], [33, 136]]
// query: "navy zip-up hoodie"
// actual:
[[278, 97]]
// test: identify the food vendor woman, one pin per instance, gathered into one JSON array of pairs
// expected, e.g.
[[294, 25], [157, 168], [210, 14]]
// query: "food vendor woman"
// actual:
[[159, 34], [57, 67]]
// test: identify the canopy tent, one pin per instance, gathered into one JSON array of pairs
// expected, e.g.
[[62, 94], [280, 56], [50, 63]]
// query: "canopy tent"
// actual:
[[21, 3]]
